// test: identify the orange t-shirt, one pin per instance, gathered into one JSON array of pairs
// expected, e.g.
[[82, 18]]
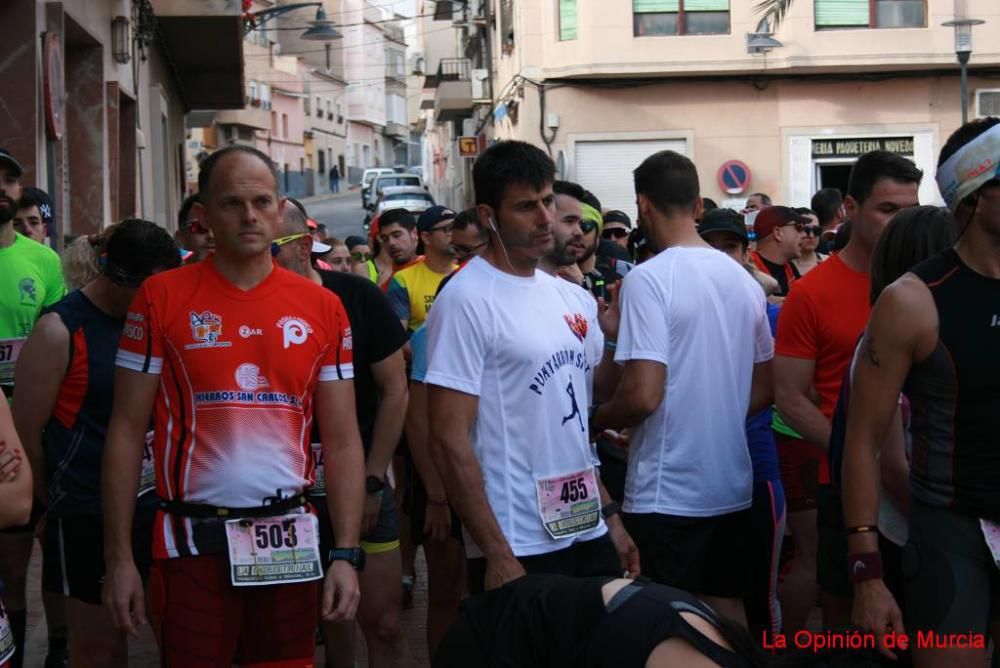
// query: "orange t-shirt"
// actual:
[[238, 374], [821, 320]]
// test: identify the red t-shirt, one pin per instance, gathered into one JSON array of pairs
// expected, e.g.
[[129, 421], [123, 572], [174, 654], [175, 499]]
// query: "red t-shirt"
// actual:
[[238, 373], [821, 320]]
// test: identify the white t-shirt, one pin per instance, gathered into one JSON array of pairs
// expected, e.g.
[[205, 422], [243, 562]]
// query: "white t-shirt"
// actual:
[[705, 318], [526, 347]]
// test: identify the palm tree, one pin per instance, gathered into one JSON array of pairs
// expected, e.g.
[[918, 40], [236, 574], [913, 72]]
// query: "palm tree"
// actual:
[[774, 10]]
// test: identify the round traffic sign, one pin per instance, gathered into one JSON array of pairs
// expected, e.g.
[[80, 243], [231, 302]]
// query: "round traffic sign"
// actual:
[[734, 177]]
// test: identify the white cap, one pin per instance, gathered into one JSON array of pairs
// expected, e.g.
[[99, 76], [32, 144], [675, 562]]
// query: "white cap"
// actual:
[[320, 248]]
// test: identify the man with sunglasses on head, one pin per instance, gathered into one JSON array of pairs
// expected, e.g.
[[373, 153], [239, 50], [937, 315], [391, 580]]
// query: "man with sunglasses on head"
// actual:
[[381, 399], [413, 288], [600, 270], [617, 226], [191, 234], [809, 257], [779, 239]]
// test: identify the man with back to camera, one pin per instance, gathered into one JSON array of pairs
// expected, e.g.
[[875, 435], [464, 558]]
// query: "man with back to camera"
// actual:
[[509, 353], [692, 311]]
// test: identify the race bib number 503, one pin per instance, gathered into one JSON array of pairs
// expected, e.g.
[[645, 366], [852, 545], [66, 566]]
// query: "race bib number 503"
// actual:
[[273, 550]]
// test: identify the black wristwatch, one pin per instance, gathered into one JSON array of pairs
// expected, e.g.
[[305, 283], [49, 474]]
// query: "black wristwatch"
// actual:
[[374, 484], [610, 509], [355, 556]]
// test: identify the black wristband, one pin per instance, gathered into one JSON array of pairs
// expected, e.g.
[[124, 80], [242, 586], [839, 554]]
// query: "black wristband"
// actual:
[[611, 509]]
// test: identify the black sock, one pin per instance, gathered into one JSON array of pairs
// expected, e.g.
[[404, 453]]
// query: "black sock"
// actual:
[[19, 627]]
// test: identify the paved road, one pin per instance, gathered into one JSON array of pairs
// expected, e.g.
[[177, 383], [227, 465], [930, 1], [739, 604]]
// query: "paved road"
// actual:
[[143, 653], [342, 215]]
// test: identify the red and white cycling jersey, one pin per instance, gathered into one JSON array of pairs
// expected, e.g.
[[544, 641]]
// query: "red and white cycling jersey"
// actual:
[[238, 372]]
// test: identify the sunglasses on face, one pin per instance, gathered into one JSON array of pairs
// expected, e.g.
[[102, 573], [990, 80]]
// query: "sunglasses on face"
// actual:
[[289, 239], [467, 250], [614, 233], [361, 257], [799, 227], [446, 229], [813, 230], [588, 226]]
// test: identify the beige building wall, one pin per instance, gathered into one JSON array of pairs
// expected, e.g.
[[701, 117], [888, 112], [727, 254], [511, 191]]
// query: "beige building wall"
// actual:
[[707, 96]]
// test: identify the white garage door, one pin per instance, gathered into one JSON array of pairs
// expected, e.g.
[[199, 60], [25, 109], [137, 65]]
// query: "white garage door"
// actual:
[[605, 168]]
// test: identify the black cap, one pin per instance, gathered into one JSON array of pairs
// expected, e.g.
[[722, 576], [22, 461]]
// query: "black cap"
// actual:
[[724, 220], [9, 160], [45, 207], [432, 216], [616, 216]]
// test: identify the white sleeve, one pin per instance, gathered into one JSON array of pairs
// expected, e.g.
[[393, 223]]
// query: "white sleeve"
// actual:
[[644, 330], [458, 335], [763, 347]]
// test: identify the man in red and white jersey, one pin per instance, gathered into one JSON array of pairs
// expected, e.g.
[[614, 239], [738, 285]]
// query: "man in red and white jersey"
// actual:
[[236, 355]]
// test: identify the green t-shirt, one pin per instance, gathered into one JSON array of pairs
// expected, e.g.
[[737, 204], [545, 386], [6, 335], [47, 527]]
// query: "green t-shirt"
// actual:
[[31, 279]]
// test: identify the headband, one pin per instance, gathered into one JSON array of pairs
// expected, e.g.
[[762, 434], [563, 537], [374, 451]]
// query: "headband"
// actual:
[[970, 168], [592, 215]]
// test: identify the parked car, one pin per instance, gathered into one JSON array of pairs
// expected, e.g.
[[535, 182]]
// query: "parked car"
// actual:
[[412, 198], [383, 181], [366, 181]]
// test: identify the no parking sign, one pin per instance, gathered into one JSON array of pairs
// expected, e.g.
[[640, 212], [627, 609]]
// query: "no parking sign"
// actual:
[[734, 177]]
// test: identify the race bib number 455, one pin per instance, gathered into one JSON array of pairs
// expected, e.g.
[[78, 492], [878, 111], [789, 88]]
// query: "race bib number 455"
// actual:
[[569, 504], [273, 550]]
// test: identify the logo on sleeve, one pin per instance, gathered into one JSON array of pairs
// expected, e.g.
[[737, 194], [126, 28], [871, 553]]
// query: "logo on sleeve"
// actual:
[[294, 331], [577, 324], [348, 339], [206, 328]]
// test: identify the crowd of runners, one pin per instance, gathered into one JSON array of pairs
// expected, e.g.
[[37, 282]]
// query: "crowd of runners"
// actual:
[[703, 437]]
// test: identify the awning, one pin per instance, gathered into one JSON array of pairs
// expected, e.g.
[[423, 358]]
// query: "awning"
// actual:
[[203, 40]]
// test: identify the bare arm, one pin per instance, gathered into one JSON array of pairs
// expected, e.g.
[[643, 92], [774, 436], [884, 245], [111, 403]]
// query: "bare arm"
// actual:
[[608, 374], [793, 382], [452, 415], [15, 493], [762, 387], [344, 458], [883, 360], [641, 390], [417, 434], [42, 368], [390, 380], [122, 464]]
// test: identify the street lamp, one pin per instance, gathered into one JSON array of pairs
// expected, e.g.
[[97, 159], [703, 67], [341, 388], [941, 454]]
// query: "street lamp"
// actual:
[[321, 29], [963, 49]]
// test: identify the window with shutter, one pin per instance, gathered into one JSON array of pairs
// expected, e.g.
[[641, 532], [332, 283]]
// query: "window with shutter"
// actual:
[[680, 17], [567, 20], [835, 14]]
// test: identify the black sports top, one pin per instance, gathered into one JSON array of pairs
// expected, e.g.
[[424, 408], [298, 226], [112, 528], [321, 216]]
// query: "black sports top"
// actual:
[[955, 393], [555, 621]]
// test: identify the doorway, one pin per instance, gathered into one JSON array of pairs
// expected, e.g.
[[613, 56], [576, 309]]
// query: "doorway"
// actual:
[[834, 175]]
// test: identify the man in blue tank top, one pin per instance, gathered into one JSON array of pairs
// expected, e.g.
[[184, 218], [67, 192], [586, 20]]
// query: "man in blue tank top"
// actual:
[[62, 415]]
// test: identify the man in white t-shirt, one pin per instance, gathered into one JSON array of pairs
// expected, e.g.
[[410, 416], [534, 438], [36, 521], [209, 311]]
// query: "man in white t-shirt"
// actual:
[[696, 349], [510, 355]]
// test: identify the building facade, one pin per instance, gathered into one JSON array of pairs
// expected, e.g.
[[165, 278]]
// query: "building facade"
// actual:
[[601, 85], [102, 97]]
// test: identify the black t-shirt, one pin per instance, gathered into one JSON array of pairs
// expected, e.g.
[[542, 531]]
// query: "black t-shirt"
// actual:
[[377, 334], [780, 274]]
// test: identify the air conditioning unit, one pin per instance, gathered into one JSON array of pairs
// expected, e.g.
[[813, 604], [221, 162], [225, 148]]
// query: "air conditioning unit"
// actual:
[[480, 84], [987, 102]]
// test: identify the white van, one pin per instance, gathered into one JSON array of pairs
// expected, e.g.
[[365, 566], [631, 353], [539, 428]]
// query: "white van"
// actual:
[[366, 181]]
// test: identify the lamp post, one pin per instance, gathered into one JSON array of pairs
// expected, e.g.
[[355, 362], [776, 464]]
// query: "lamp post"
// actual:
[[321, 29], [963, 49]]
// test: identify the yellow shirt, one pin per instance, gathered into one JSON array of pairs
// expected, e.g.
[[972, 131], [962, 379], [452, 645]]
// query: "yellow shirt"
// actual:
[[412, 290]]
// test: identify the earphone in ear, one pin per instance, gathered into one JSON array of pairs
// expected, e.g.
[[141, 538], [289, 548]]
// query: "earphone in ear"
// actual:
[[493, 224], [275, 249]]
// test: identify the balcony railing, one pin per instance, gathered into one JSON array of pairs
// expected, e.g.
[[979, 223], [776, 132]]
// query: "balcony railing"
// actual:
[[454, 69]]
